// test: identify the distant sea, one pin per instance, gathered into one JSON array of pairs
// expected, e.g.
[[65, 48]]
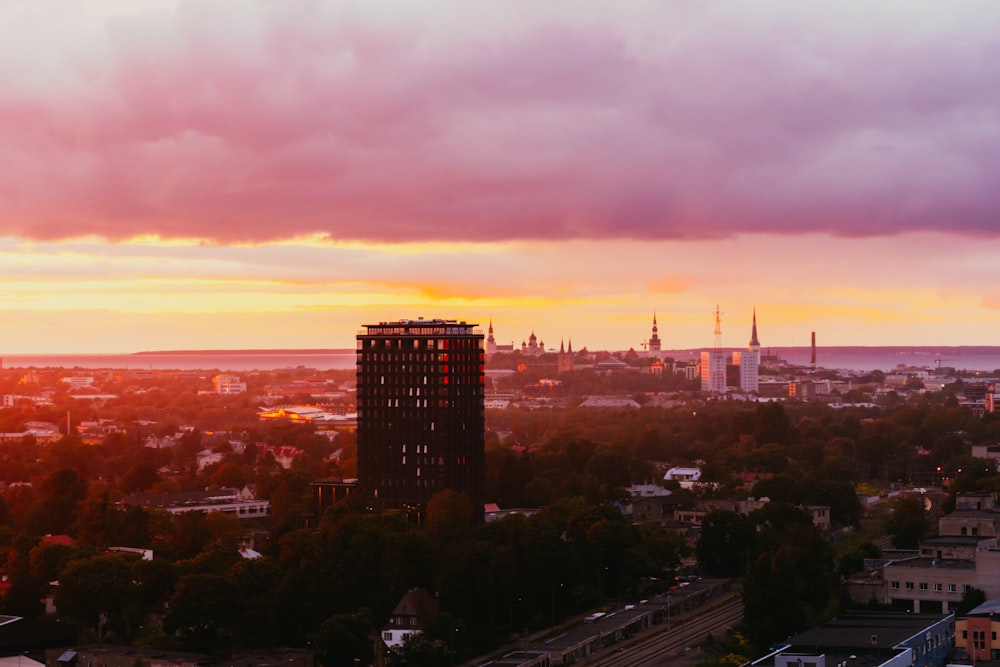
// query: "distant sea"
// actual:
[[223, 360], [970, 358]]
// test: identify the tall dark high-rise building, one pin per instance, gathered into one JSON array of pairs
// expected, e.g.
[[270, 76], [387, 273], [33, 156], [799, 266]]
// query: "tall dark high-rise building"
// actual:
[[420, 412]]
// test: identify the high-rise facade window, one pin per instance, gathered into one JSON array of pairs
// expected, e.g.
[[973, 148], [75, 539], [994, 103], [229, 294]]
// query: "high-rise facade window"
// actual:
[[420, 412]]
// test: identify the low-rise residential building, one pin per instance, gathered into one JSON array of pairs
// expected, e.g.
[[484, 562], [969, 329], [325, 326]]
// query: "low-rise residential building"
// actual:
[[409, 616], [229, 501], [686, 477], [964, 555], [976, 632]]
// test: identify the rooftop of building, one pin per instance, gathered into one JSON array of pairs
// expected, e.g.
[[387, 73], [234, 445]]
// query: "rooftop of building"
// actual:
[[956, 540], [419, 326], [858, 630], [934, 563], [988, 608], [221, 496], [972, 514]]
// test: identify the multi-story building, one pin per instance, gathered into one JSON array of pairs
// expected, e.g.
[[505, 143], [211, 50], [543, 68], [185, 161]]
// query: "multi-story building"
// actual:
[[964, 555], [420, 400], [749, 361], [713, 372], [228, 384], [869, 639], [976, 632], [713, 363]]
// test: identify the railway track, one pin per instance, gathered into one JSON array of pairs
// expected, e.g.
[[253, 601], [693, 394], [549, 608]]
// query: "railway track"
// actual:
[[663, 647]]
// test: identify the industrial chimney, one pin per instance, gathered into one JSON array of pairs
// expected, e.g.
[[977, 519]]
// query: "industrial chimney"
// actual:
[[812, 358]]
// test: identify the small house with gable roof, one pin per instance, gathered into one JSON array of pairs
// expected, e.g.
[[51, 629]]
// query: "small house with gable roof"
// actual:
[[409, 616]]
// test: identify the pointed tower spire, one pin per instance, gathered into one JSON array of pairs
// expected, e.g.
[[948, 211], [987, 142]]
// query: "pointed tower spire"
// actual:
[[754, 343], [654, 340]]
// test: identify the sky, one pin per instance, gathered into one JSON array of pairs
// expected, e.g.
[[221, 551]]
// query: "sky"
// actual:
[[255, 174]]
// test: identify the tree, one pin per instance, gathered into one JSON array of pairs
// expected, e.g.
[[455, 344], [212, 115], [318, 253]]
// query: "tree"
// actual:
[[448, 514], [202, 611], [726, 543], [908, 522], [343, 639], [971, 599], [418, 649], [59, 498], [99, 591]]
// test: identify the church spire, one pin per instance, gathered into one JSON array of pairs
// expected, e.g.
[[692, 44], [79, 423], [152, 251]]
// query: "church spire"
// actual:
[[754, 343]]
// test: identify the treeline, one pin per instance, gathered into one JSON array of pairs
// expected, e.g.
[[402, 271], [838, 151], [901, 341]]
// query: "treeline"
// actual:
[[788, 567], [537, 454], [329, 588]]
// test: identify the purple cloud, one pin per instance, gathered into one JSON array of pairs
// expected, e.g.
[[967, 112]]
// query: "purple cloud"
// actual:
[[243, 121]]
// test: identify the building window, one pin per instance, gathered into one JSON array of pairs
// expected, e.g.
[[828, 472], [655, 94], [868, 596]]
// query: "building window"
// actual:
[[387, 636], [894, 585], [937, 588], [952, 588], [923, 585]]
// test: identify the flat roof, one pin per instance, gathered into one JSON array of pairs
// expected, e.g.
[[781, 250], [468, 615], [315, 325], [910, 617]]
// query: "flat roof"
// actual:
[[967, 540], [855, 630], [934, 563]]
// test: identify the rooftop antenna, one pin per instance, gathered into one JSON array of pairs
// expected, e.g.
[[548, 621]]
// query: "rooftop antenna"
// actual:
[[718, 329]]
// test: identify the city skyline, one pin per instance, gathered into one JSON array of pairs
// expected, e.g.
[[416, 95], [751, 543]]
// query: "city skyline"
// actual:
[[215, 174]]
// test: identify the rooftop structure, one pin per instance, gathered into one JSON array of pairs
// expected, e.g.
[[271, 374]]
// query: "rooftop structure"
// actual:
[[229, 501]]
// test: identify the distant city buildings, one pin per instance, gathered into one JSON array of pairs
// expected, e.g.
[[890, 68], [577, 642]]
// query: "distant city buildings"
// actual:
[[421, 423], [228, 384], [565, 363], [749, 361], [241, 503], [713, 363], [533, 347], [492, 347]]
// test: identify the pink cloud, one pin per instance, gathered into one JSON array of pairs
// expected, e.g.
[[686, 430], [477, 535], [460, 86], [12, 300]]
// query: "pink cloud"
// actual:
[[243, 121]]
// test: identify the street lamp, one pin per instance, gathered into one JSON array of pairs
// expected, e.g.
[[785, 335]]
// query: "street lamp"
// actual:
[[552, 610]]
